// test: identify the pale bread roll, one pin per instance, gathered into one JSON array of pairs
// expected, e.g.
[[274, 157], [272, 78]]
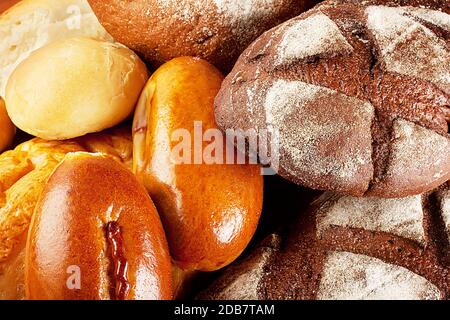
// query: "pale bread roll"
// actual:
[[31, 24], [73, 87], [7, 129]]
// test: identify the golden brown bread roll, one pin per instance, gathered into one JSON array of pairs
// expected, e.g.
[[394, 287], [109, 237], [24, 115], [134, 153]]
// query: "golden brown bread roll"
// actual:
[[5, 4], [23, 173], [7, 129], [96, 220], [210, 212], [116, 142], [32, 24], [73, 87]]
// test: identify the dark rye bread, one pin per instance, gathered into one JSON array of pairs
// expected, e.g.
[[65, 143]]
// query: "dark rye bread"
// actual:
[[359, 92], [215, 30], [345, 247]]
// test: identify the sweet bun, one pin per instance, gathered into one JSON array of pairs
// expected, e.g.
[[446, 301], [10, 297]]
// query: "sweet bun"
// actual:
[[23, 174], [217, 31], [73, 87], [344, 247], [32, 24], [359, 93], [116, 143], [209, 211], [95, 222], [7, 129]]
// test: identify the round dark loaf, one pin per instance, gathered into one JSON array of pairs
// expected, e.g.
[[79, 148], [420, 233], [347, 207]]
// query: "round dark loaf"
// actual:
[[215, 30], [359, 92], [351, 248]]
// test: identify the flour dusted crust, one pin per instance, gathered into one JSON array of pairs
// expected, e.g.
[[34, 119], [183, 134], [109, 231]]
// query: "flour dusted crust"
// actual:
[[349, 276], [409, 48], [216, 30], [389, 56], [413, 148], [402, 217], [327, 39], [444, 206], [242, 280], [306, 132], [353, 248]]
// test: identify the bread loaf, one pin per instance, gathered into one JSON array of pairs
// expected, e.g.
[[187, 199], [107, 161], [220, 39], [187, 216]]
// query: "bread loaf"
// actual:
[[209, 210], [74, 86], [359, 93], [351, 248], [32, 24], [105, 232], [215, 30], [23, 174]]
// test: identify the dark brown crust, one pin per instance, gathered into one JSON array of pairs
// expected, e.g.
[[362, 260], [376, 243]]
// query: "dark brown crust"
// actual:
[[69, 228], [158, 35], [296, 264], [361, 74]]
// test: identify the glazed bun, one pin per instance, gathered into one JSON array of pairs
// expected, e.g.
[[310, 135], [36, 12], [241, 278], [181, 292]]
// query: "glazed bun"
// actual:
[[95, 222], [23, 174], [73, 87], [210, 209], [116, 143], [7, 129], [217, 31], [32, 24], [359, 93], [5, 4]]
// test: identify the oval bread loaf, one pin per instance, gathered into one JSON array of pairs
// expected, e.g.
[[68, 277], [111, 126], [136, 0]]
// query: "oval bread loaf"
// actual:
[[210, 209], [96, 223], [23, 174]]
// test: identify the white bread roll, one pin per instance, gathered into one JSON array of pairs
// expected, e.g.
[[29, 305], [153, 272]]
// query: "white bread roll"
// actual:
[[31, 24], [73, 87], [7, 129]]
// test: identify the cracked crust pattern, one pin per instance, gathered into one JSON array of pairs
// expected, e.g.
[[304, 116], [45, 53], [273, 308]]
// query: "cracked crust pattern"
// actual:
[[310, 76], [346, 247]]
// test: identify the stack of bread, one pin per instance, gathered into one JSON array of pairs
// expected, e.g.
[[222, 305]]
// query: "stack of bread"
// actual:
[[110, 188]]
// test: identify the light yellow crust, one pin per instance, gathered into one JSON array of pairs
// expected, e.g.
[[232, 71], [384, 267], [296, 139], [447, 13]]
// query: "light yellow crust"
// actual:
[[32, 24], [73, 87]]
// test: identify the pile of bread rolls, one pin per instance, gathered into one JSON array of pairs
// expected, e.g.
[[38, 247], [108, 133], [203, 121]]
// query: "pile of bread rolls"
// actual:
[[93, 205]]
